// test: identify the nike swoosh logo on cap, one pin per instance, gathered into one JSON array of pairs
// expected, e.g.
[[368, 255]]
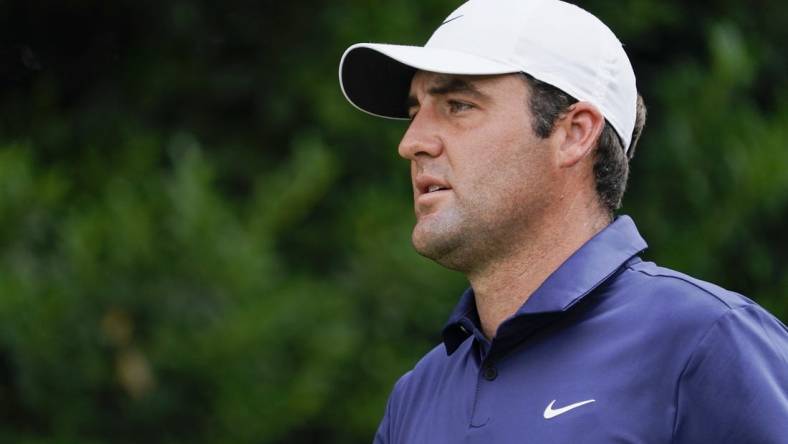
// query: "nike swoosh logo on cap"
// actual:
[[451, 20], [550, 413]]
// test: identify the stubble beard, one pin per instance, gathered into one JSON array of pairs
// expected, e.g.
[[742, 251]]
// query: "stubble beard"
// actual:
[[454, 240], [470, 237]]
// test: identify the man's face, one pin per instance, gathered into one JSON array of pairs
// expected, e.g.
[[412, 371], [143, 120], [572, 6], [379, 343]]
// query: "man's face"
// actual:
[[481, 178]]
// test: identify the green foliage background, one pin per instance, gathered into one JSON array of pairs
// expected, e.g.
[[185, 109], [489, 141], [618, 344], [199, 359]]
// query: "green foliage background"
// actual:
[[202, 242]]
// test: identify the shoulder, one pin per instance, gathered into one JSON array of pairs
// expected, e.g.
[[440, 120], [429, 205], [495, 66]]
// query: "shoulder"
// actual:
[[428, 371], [727, 353], [431, 378], [687, 314], [730, 327], [678, 296], [671, 281], [736, 371]]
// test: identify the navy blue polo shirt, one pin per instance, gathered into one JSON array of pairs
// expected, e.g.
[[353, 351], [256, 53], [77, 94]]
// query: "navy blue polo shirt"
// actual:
[[608, 349]]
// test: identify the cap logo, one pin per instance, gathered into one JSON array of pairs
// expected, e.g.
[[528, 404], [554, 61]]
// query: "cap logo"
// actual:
[[451, 19]]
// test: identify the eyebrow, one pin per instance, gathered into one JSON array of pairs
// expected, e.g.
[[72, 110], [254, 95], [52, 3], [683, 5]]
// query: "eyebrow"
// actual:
[[447, 85]]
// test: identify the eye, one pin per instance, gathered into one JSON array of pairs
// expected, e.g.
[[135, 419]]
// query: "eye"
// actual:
[[457, 106]]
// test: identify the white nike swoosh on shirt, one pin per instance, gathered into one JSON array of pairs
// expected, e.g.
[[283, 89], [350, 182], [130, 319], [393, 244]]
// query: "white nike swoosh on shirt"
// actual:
[[550, 413]]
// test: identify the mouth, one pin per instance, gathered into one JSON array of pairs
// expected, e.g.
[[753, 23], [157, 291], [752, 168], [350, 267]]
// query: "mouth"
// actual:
[[434, 188], [426, 185]]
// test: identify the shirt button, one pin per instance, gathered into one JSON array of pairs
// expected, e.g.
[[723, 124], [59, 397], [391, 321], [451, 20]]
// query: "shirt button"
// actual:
[[463, 330], [489, 373]]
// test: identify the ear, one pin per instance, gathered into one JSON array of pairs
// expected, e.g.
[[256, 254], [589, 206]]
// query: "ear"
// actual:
[[581, 126]]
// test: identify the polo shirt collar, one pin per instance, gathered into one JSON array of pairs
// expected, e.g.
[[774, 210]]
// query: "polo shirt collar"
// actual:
[[587, 268]]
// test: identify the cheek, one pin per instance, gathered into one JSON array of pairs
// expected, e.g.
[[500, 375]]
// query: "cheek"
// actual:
[[508, 170], [507, 154]]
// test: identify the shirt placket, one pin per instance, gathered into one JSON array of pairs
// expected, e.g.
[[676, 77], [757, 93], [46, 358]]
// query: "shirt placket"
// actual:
[[486, 375], [479, 430]]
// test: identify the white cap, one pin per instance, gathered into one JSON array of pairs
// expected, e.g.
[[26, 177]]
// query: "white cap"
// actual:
[[553, 41]]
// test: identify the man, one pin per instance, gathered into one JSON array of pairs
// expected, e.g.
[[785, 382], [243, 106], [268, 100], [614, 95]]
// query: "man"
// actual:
[[523, 114]]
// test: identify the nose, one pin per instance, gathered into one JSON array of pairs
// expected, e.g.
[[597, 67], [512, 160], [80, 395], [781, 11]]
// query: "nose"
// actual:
[[421, 138]]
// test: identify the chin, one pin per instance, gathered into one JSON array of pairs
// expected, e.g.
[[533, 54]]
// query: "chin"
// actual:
[[442, 248]]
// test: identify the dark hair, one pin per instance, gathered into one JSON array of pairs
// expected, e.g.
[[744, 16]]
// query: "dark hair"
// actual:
[[611, 164]]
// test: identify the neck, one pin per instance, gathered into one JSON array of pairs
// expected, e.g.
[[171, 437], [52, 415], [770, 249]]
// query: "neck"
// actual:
[[504, 284]]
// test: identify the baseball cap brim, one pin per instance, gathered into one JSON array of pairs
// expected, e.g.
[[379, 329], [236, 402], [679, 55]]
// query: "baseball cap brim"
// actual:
[[376, 77]]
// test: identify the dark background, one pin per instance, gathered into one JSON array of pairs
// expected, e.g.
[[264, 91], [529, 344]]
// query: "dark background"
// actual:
[[202, 242]]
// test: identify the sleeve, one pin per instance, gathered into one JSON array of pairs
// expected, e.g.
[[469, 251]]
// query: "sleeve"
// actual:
[[386, 433], [382, 436], [734, 388]]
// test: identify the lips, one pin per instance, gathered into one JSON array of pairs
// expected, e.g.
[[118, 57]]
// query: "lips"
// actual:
[[428, 184]]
